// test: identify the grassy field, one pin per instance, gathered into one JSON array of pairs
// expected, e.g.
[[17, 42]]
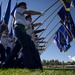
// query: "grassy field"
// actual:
[[35, 72]]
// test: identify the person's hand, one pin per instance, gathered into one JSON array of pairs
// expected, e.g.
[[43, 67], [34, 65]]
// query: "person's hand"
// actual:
[[41, 23], [42, 13]]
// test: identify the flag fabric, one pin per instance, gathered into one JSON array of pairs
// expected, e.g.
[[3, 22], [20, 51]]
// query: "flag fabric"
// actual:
[[61, 38], [73, 3], [61, 42], [3, 28], [57, 42], [4, 22], [62, 12], [68, 1], [67, 29], [70, 24], [7, 13], [66, 4], [66, 47], [65, 34], [12, 12]]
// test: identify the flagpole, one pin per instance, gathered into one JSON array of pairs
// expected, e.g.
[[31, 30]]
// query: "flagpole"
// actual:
[[12, 20], [68, 31], [49, 42], [52, 29], [48, 46], [50, 32], [48, 25], [46, 10], [50, 15]]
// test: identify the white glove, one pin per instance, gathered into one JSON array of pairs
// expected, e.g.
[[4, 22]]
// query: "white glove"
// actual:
[[42, 13], [42, 23]]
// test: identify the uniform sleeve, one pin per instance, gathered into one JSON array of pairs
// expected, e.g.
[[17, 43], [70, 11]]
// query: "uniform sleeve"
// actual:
[[28, 23], [20, 10]]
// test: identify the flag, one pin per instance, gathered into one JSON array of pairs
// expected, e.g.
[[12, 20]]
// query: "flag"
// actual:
[[12, 12], [66, 47], [65, 34], [61, 38], [73, 3], [63, 42], [4, 25], [69, 17], [66, 4], [7, 13], [70, 24], [57, 42], [62, 12], [3, 28]]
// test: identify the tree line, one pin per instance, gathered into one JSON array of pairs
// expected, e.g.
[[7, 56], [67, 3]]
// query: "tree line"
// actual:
[[56, 62]]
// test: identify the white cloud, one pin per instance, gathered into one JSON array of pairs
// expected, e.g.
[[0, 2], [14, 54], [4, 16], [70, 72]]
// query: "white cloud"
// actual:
[[71, 58]]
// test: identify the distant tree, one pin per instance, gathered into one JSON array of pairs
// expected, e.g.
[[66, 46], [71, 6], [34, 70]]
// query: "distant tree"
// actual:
[[47, 62], [44, 62], [56, 62], [51, 62], [73, 63]]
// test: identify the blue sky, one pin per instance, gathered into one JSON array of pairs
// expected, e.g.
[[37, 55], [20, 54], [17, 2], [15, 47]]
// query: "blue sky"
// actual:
[[52, 52]]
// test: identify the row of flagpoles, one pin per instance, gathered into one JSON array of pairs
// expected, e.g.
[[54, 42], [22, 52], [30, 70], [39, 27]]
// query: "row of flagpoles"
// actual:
[[64, 34]]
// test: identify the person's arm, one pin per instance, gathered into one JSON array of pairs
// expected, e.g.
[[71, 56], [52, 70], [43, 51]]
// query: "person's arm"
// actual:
[[39, 38], [36, 24], [31, 12]]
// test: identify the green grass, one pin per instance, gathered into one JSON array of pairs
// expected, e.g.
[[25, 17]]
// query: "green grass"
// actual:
[[35, 72]]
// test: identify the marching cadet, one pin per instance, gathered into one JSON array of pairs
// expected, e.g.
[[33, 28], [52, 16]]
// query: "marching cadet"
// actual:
[[10, 43], [4, 38], [30, 56]]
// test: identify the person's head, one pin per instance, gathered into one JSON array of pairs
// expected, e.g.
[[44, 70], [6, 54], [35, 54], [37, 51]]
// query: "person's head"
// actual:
[[28, 17], [22, 5]]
